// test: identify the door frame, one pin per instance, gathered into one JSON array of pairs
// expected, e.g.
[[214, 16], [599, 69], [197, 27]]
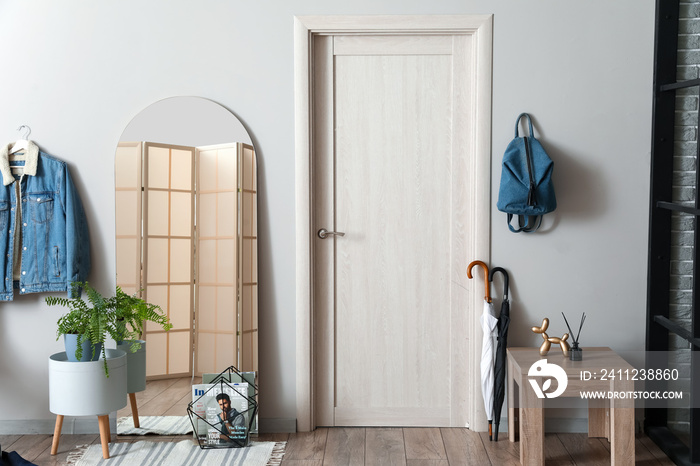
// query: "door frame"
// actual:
[[477, 187]]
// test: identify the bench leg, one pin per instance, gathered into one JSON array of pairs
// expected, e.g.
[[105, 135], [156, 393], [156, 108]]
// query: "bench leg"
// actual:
[[56, 434], [598, 418], [622, 426], [531, 426], [134, 410], [104, 434], [513, 411]]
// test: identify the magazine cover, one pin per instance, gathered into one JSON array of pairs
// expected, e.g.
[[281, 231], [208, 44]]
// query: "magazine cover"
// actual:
[[222, 415], [239, 377]]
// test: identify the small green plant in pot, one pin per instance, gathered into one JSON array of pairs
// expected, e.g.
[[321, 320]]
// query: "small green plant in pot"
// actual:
[[87, 324], [130, 313]]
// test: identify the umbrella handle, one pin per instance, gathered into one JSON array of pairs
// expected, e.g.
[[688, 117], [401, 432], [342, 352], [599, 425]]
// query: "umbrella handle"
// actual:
[[505, 279], [487, 297]]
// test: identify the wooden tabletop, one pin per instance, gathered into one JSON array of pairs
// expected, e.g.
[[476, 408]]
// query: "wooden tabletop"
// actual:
[[594, 358]]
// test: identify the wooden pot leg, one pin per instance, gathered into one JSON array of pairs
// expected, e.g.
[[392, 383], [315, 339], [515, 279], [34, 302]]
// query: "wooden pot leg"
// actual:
[[57, 434], [104, 434], [134, 410]]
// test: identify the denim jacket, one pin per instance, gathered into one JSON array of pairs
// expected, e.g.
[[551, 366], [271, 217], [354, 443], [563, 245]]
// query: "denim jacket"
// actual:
[[55, 245]]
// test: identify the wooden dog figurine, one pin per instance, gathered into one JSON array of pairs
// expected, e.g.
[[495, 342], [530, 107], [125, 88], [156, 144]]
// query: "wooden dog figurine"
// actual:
[[547, 344]]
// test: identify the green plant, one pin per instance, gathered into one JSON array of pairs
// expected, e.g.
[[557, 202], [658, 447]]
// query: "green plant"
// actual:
[[130, 312], [120, 317], [91, 320]]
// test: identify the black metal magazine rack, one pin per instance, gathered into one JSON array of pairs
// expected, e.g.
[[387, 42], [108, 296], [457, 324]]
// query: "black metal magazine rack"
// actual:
[[224, 412]]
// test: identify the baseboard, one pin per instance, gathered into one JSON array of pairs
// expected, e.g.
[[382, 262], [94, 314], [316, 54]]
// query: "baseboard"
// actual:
[[71, 425], [278, 425]]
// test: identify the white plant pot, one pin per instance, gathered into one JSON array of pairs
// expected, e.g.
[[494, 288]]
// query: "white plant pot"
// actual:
[[82, 389], [135, 366]]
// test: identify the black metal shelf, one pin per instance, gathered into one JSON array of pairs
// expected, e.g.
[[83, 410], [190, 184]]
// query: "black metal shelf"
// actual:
[[679, 85], [676, 329], [659, 326], [678, 208]]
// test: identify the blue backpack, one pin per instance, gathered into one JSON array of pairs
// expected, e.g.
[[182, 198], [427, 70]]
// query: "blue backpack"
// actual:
[[526, 187]]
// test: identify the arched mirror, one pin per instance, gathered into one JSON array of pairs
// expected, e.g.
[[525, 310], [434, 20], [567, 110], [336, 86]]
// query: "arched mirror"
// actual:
[[186, 234]]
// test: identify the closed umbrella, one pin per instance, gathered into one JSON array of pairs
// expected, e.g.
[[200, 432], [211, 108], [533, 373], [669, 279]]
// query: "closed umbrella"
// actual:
[[499, 368], [488, 325]]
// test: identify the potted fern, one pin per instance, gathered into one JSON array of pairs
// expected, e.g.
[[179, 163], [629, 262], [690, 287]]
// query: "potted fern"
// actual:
[[130, 313], [86, 325]]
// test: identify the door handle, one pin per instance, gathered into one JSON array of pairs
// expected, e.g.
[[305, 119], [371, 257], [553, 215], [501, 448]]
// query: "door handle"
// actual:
[[323, 233]]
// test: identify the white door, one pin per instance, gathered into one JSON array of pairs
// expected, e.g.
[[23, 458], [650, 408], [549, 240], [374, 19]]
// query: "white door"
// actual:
[[392, 149], [391, 163]]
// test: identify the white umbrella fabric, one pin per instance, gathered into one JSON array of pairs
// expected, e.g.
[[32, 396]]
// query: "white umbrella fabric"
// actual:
[[489, 324]]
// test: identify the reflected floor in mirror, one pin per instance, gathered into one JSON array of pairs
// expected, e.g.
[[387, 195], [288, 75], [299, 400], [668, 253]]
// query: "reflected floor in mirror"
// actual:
[[164, 397]]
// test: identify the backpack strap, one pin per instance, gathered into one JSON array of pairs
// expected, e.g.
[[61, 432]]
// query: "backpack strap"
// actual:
[[529, 121], [524, 223]]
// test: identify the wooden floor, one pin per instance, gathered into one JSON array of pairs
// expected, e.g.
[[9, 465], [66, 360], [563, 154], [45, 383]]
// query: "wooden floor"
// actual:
[[350, 446]]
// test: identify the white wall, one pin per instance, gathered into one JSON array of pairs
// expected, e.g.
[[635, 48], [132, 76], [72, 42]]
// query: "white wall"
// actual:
[[77, 72]]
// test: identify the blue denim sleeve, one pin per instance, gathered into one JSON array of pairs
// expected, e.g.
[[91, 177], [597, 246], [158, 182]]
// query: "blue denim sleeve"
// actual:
[[77, 236]]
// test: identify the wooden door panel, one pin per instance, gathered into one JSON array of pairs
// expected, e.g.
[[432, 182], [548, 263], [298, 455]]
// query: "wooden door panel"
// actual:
[[393, 202], [392, 196]]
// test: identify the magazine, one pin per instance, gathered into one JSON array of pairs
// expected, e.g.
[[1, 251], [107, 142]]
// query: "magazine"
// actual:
[[221, 414], [239, 377]]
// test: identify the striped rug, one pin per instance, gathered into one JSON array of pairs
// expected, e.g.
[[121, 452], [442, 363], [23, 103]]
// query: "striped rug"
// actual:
[[159, 425], [185, 452]]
